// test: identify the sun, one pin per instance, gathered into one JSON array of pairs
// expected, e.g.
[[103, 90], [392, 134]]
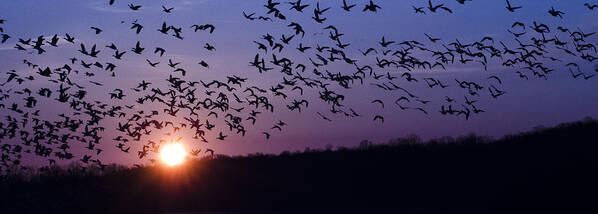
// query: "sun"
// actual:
[[173, 154]]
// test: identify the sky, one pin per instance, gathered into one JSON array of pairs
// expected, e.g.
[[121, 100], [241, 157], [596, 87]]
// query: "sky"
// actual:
[[527, 103]]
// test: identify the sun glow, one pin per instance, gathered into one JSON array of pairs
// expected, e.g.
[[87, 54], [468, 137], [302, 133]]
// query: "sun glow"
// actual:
[[173, 154]]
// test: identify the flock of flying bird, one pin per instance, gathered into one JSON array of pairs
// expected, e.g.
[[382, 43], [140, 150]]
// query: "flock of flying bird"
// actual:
[[232, 104]]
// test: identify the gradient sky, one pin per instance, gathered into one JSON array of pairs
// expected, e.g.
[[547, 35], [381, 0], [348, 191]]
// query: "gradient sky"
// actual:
[[527, 103]]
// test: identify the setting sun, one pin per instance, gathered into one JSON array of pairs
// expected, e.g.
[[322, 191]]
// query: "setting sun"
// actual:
[[173, 154]]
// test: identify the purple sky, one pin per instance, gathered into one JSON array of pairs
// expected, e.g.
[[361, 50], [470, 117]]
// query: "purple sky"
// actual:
[[528, 103]]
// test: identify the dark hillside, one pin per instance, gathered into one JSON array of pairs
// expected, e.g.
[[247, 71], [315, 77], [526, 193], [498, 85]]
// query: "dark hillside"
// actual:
[[534, 172]]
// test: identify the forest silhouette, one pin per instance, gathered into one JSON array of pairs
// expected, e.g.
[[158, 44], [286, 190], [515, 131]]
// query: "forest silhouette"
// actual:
[[544, 170]]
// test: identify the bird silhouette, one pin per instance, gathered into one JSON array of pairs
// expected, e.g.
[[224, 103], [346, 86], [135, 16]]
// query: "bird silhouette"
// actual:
[[159, 50], [5, 37], [153, 64], [590, 7], [134, 7], [137, 49], [431, 39], [221, 136], [556, 13], [250, 16], [378, 117], [266, 134], [379, 101], [137, 27], [347, 7], [96, 30], [371, 7], [385, 43], [511, 8], [297, 6], [167, 10], [433, 8], [418, 10]]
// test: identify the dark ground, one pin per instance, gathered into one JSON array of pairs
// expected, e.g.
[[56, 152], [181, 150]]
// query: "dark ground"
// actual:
[[543, 171]]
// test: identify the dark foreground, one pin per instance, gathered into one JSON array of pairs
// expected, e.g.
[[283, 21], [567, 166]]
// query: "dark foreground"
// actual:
[[548, 171]]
